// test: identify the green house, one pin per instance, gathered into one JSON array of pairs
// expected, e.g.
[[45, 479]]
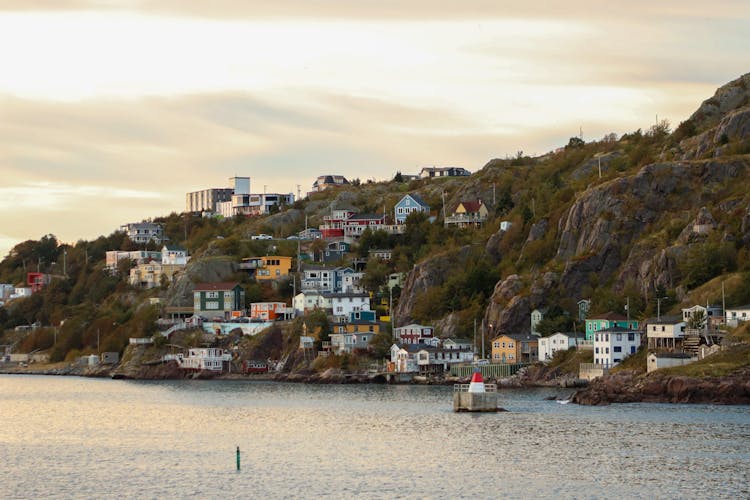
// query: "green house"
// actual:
[[224, 300]]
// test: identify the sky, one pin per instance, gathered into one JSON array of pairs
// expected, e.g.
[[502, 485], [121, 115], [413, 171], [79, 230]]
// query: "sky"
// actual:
[[112, 110]]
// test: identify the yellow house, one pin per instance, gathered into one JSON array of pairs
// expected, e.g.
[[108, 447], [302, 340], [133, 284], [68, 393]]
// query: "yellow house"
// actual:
[[273, 267], [504, 349], [362, 327], [468, 213]]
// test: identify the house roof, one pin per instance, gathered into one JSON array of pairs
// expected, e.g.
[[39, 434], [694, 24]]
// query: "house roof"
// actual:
[[665, 320], [211, 287], [333, 295], [611, 316], [471, 206], [173, 248], [417, 198], [362, 322], [618, 329], [738, 307], [366, 217]]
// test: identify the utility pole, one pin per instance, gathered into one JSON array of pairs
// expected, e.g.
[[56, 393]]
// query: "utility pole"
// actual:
[[444, 222], [493, 195], [65, 262], [658, 307]]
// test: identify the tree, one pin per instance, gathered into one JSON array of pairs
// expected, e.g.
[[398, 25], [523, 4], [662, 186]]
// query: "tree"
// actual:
[[575, 143], [398, 177], [697, 320]]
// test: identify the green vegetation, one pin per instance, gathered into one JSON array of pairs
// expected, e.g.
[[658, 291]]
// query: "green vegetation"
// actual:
[[718, 365], [87, 308]]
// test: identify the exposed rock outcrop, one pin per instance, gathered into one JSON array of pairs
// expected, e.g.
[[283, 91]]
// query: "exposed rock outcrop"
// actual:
[[429, 273], [628, 387]]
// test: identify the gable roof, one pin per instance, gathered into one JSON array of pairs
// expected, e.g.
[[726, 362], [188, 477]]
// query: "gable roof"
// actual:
[[471, 206], [366, 217], [415, 197], [212, 287], [610, 316]]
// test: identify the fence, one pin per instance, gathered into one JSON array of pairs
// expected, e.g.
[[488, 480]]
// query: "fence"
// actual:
[[500, 370]]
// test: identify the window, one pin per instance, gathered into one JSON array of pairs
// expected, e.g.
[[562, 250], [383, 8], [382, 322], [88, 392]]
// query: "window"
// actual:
[[619, 337], [631, 337], [510, 345], [212, 295], [632, 349], [596, 350], [606, 350], [617, 348]]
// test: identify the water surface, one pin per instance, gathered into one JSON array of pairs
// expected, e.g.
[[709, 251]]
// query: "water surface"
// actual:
[[67, 437]]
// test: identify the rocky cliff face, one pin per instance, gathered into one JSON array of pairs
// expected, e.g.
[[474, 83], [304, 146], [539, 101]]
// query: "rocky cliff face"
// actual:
[[600, 234], [429, 273]]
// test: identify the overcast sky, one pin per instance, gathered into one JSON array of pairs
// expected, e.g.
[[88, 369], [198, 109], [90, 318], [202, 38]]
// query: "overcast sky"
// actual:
[[111, 110]]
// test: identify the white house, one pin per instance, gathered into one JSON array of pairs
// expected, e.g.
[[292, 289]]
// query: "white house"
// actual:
[[318, 278], [665, 333], [614, 344], [457, 344], [712, 313], [343, 304], [404, 358], [736, 314], [211, 359], [308, 300], [548, 346], [174, 255], [537, 315], [439, 360], [347, 342]]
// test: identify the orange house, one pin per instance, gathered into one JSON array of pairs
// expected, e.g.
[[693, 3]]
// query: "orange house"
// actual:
[[504, 349], [268, 311]]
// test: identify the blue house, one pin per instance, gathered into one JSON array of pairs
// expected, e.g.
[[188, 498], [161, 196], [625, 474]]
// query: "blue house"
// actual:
[[408, 204]]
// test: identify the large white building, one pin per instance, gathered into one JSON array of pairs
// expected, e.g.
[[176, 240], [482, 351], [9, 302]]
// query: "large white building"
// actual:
[[548, 346], [207, 200], [612, 345]]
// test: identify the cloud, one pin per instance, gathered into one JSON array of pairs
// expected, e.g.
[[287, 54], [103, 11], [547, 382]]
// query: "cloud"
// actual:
[[424, 10]]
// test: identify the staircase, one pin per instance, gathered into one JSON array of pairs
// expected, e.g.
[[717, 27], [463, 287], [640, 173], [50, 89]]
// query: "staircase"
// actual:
[[691, 344]]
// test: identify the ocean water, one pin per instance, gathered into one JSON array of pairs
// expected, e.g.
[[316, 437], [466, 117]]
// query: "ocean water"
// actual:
[[67, 437]]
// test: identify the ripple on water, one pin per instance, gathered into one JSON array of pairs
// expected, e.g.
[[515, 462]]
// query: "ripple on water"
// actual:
[[109, 439]]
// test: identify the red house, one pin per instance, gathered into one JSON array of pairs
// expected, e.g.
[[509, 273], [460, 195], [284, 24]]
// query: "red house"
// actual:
[[37, 281], [333, 225]]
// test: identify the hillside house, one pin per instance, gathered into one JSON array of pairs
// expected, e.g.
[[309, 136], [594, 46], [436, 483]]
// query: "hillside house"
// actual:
[[408, 204], [612, 345], [608, 320], [333, 225], [404, 357], [270, 311], [666, 333], [348, 342], [658, 360], [324, 182], [431, 172], [113, 257], [713, 313], [548, 346], [144, 232], [468, 214], [225, 300], [268, 267], [412, 334], [173, 255], [537, 315], [355, 225], [735, 315]]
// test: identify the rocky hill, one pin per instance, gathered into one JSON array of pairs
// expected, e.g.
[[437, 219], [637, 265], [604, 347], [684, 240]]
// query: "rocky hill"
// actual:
[[651, 213]]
